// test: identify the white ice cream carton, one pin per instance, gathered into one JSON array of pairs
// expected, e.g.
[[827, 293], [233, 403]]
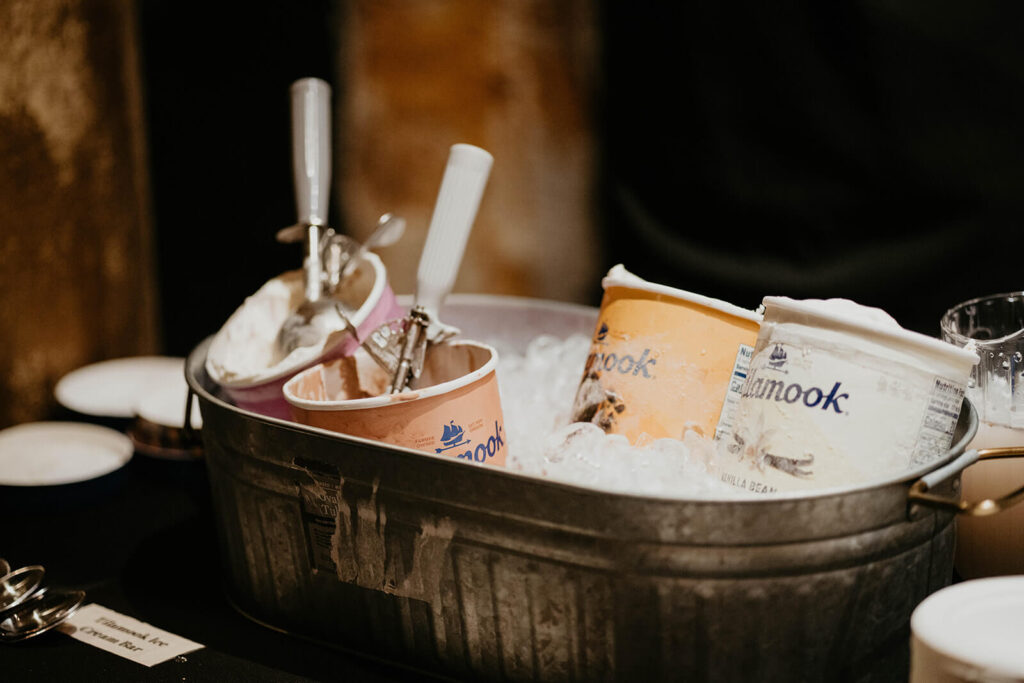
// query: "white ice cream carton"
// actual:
[[838, 395]]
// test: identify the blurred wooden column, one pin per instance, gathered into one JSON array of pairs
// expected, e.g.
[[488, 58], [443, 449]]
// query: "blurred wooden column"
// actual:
[[512, 76], [76, 280]]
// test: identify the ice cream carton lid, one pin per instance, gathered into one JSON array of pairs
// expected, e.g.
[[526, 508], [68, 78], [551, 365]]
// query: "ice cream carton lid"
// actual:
[[979, 623], [618, 276], [865, 321]]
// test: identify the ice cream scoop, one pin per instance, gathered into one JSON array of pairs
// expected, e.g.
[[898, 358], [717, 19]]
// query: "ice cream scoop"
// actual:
[[400, 348], [311, 160]]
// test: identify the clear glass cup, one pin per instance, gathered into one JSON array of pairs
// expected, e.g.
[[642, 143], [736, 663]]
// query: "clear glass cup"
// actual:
[[994, 545]]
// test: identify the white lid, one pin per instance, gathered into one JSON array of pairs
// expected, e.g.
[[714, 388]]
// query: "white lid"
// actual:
[[976, 623], [867, 322], [618, 276], [166, 404], [51, 453], [113, 388]]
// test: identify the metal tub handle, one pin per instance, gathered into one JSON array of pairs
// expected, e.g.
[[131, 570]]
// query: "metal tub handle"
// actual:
[[187, 430], [990, 506]]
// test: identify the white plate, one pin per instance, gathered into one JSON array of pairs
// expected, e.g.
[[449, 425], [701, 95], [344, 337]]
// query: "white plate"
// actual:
[[114, 388], [164, 405], [50, 453]]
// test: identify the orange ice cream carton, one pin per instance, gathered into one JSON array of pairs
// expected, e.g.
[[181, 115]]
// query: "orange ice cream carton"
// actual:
[[664, 361]]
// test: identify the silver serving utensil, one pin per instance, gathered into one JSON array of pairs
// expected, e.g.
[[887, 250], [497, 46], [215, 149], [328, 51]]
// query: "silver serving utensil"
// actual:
[[389, 230], [311, 159], [342, 254], [18, 585], [400, 348], [40, 613]]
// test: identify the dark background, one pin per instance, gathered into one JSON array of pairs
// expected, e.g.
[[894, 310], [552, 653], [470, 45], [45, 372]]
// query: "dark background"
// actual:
[[216, 78], [865, 150]]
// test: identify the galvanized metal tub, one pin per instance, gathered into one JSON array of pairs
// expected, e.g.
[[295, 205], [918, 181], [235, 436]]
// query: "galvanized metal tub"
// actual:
[[481, 573]]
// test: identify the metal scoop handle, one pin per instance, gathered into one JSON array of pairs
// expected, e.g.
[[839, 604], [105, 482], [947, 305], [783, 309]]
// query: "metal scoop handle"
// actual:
[[454, 212], [311, 168]]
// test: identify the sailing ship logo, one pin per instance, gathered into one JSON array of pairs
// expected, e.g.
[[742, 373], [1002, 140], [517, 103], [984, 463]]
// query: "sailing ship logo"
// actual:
[[452, 436], [777, 358], [602, 332]]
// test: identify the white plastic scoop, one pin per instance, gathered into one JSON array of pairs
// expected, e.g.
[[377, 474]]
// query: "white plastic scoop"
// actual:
[[401, 351], [462, 188]]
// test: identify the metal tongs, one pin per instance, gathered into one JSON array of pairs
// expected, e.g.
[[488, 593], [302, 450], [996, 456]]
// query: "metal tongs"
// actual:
[[27, 608], [400, 346]]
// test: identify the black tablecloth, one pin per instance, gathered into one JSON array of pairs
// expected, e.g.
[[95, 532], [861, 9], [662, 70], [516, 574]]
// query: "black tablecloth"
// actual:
[[142, 542]]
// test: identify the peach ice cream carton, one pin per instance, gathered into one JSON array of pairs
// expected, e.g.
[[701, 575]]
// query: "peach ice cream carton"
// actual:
[[663, 361], [454, 410]]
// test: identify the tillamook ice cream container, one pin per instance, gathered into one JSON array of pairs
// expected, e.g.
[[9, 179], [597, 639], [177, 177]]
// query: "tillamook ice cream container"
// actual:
[[663, 361], [454, 410], [839, 394], [242, 358]]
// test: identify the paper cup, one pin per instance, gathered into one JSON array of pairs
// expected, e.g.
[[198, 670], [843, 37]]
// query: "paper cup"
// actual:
[[456, 412], [839, 394], [241, 357], [663, 361]]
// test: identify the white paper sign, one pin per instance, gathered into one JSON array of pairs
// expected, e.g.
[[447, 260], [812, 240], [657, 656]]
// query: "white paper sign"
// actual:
[[124, 636]]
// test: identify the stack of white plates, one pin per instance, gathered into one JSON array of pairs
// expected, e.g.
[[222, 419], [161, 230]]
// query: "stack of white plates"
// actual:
[[151, 386]]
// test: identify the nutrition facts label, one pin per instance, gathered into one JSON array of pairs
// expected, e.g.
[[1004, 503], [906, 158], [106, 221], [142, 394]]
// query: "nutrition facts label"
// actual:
[[740, 369], [939, 421]]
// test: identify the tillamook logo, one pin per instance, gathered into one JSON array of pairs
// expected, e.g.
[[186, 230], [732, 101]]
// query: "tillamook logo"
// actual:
[[452, 437], [484, 449], [624, 364], [777, 358], [778, 390]]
